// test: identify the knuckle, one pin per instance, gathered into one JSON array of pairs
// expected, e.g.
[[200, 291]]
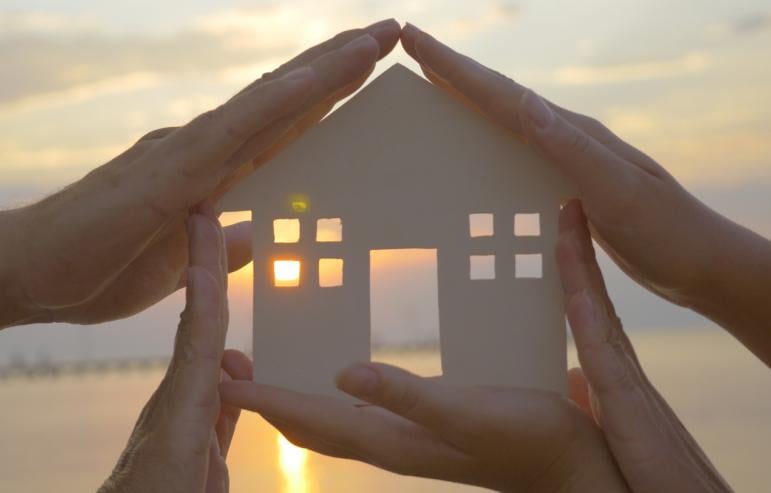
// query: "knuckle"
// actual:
[[403, 398], [579, 143], [621, 378]]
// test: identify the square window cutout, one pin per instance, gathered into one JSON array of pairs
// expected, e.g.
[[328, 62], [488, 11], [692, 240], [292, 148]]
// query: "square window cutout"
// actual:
[[286, 230], [527, 224], [286, 273], [329, 230], [480, 225], [528, 266], [330, 272], [482, 267]]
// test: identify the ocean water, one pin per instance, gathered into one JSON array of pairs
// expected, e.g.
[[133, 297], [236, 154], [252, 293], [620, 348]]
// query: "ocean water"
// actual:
[[65, 434]]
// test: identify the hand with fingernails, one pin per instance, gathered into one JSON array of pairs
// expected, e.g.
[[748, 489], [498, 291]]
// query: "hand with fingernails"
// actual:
[[616, 433], [657, 232], [114, 243], [182, 437]]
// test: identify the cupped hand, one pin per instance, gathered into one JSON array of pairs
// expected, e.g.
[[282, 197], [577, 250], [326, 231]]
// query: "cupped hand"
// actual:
[[657, 232], [182, 437], [615, 434], [653, 449], [114, 242]]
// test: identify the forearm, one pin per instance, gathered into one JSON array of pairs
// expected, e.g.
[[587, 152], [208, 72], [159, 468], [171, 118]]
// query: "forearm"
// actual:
[[737, 292], [15, 308]]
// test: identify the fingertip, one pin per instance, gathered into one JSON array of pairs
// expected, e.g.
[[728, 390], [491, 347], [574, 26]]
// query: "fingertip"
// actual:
[[238, 242], [408, 37], [571, 215], [360, 380], [364, 47], [237, 364], [386, 33]]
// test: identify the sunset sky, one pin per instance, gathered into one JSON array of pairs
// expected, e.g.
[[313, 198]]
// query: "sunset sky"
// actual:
[[688, 82]]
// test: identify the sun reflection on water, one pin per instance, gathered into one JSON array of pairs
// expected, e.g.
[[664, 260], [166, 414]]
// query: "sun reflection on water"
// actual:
[[292, 460]]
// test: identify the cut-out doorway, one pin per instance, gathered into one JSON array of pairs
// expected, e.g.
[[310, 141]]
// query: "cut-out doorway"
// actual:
[[404, 309]]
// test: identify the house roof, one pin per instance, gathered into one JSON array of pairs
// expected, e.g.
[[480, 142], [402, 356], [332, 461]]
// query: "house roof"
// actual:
[[400, 142]]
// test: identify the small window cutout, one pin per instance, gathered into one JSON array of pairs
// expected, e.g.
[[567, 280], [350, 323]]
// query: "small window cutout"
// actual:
[[482, 267], [528, 266], [328, 230], [330, 272], [527, 224], [286, 230], [286, 273], [480, 225]]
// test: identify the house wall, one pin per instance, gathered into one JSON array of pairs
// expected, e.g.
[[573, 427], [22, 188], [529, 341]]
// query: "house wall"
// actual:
[[403, 165]]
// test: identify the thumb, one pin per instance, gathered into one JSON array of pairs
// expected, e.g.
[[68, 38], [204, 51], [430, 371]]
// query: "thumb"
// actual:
[[589, 165], [425, 402]]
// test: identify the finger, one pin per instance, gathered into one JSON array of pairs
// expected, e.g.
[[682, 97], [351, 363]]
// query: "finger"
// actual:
[[577, 263], [589, 165], [157, 134], [582, 269], [238, 246], [578, 391], [199, 343], [439, 408], [226, 423], [333, 72], [238, 242], [645, 435], [207, 209], [237, 364], [193, 155], [494, 94], [331, 425], [385, 32], [217, 477]]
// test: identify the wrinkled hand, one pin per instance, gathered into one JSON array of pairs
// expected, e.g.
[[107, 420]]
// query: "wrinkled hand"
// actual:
[[655, 230], [617, 434], [114, 242], [181, 439], [651, 446]]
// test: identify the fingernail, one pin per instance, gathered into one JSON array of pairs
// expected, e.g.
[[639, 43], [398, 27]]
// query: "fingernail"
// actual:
[[358, 43], [383, 25], [359, 381], [411, 26], [538, 111], [298, 74]]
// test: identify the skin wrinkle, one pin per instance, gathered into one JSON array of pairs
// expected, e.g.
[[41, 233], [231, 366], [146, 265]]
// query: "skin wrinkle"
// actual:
[[152, 258], [656, 408]]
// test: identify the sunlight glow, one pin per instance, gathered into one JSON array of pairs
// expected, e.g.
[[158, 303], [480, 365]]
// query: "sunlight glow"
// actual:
[[292, 461], [286, 273]]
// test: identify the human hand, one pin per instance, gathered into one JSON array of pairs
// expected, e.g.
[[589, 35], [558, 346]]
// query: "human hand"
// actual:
[[114, 242], [654, 451], [617, 434], [657, 232], [181, 439]]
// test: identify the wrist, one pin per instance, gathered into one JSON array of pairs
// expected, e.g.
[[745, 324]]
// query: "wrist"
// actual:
[[734, 290], [17, 308]]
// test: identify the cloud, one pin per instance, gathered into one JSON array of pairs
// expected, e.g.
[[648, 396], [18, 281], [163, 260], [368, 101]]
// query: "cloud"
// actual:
[[752, 23], [691, 63], [482, 19], [49, 55]]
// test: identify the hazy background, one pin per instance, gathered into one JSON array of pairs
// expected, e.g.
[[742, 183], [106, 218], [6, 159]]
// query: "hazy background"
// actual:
[[686, 81]]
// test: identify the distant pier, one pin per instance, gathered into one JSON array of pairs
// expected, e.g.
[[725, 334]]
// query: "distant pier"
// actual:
[[20, 370]]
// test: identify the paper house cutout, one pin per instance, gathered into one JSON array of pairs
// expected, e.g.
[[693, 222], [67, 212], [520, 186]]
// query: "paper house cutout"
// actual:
[[403, 165]]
